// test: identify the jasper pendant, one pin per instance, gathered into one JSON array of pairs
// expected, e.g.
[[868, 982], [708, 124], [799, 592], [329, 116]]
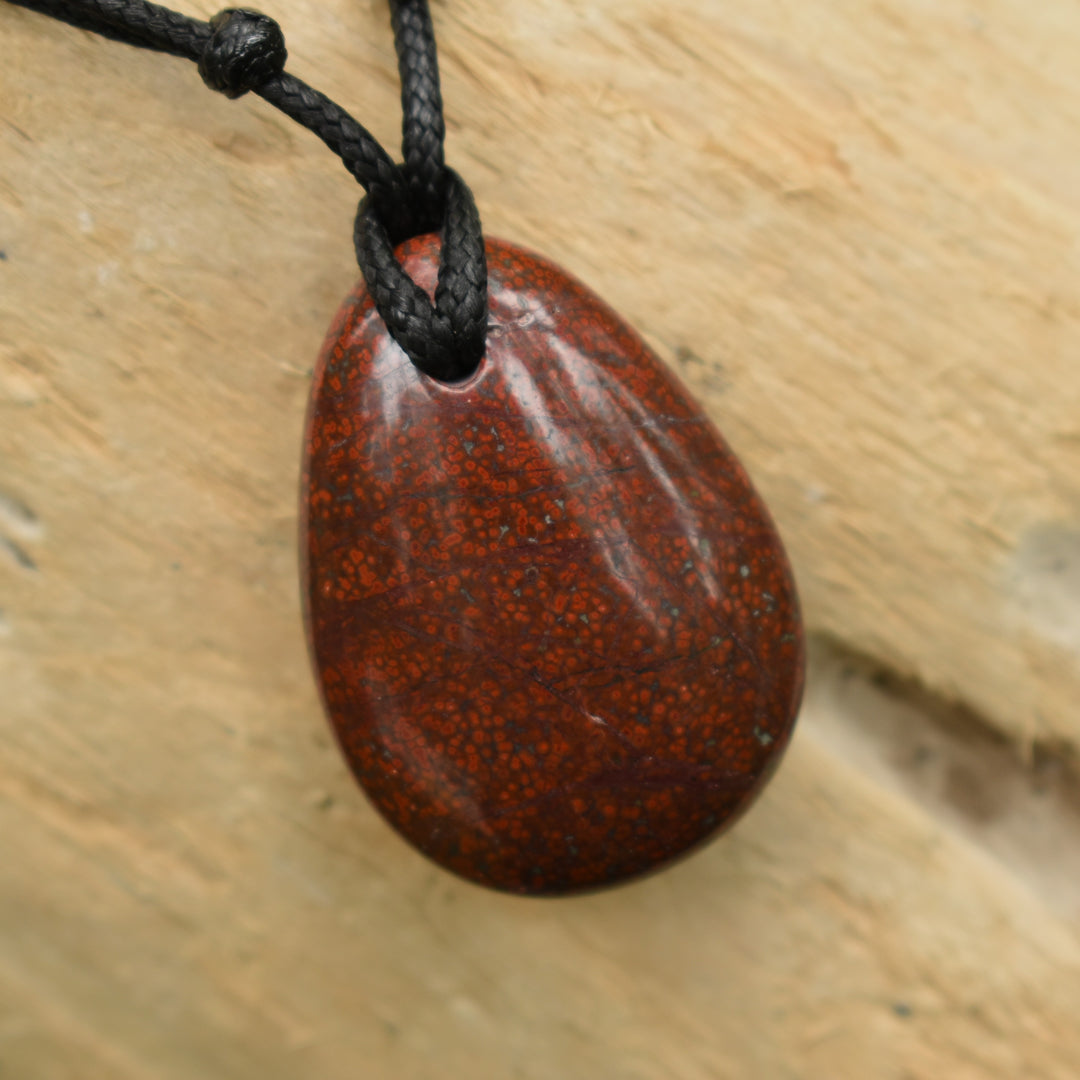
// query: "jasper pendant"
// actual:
[[552, 622]]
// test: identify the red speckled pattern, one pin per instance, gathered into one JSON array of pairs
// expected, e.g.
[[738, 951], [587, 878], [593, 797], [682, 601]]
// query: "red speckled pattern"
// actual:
[[552, 622]]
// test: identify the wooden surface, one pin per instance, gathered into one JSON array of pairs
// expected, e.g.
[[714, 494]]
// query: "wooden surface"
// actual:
[[855, 230]]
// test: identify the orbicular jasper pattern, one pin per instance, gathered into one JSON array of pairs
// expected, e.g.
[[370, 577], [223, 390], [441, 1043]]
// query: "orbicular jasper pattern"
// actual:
[[552, 622]]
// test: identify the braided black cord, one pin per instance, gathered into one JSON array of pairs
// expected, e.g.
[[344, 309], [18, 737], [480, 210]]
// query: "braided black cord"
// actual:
[[240, 51], [352, 142], [440, 339], [422, 126], [134, 22]]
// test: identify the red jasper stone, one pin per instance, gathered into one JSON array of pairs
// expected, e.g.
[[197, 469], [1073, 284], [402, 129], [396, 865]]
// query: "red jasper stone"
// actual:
[[552, 622]]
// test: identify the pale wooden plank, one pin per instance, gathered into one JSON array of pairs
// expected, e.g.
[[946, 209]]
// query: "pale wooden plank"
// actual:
[[854, 231]]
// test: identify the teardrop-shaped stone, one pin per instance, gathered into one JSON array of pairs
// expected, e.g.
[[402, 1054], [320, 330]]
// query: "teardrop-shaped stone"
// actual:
[[552, 622]]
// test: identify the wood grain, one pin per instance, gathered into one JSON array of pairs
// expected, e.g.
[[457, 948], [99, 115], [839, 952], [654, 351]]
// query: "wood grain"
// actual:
[[855, 231]]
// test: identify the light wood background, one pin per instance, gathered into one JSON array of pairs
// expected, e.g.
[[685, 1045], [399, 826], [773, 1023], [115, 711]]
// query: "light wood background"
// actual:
[[854, 228]]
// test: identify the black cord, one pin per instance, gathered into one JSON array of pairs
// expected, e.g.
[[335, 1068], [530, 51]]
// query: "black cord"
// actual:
[[240, 51], [422, 127]]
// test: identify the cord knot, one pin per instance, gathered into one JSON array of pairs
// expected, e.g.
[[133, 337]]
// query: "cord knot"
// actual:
[[246, 49]]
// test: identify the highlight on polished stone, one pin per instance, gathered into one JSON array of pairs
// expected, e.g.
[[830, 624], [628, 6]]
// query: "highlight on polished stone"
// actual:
[[552, 622]]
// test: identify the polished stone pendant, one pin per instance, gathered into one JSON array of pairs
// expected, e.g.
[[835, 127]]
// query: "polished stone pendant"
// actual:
[[551, 620]]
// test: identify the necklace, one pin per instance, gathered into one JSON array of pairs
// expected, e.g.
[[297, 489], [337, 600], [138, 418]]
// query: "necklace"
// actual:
[[552, 623]]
